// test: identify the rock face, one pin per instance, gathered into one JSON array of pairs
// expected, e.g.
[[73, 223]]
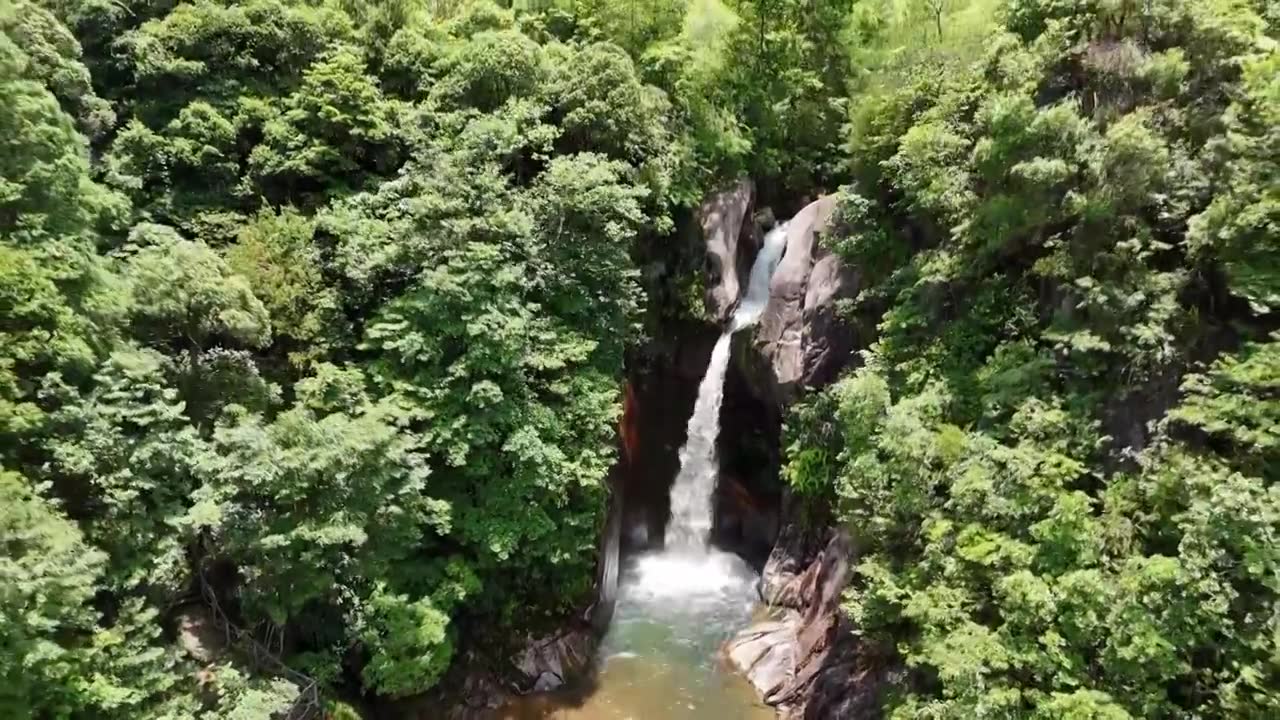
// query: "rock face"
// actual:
[[799, 337], [722, 217], [805, 658], [792, 556], [766, 654], [808, 662], [550, 662]]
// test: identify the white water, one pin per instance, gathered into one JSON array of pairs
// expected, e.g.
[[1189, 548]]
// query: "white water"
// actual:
[[752, 306], [690, 522], [660, 659], [695, 485]]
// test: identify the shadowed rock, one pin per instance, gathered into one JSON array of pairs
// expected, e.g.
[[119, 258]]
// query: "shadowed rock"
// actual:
[[721, 217], [810, 664], [550, 662]]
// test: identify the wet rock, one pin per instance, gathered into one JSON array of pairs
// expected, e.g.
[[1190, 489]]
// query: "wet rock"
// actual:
[[807, 661], [765, 654], [845, 682], [609, 562], [721, 217], [810, 664], [744, 522], [550, 662]]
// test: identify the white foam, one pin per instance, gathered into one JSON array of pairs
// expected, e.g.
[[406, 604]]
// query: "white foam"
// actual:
[[686, 574], [695, 484], [757, 297]]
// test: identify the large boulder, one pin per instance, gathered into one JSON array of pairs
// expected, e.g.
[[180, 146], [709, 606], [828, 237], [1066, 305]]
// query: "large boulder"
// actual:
[[550, 662], [800, 339], [806, 660], [722, 217], [765, 654]]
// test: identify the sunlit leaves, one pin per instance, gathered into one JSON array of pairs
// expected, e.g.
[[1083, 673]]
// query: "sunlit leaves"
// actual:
[[309, 502], [184, 292], [277, 257], [334, 128], [408, 641], [1072, 222], [48, 576]]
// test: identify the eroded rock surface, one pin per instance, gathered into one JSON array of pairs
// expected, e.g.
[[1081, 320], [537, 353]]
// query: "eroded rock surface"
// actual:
[[799, 336], [765, 654], [550, 662], [809, 663], [722, 216], [792, 556]]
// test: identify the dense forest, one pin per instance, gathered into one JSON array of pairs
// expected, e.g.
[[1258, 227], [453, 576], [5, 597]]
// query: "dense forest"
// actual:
[[321, 309]]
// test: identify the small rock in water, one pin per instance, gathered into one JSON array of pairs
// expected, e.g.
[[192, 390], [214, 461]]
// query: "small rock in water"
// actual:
[[547, 681]]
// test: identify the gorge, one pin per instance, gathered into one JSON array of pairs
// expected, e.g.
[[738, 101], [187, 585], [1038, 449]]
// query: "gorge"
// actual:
[[679, 602], [447, 359]]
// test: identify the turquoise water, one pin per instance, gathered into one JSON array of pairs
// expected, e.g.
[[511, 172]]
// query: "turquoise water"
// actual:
[[661, 658]]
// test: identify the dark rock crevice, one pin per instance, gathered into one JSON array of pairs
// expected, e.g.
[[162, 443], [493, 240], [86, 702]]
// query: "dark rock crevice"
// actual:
[[805, 659], [660, 394], [659, 400], [749, 493]]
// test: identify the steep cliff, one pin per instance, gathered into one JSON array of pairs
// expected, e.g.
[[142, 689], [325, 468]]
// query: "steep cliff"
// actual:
[[804, 659], [730, 246], [800, 340]]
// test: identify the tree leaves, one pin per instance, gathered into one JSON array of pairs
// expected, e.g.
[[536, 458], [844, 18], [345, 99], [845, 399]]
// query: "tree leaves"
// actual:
[[1048, 525]]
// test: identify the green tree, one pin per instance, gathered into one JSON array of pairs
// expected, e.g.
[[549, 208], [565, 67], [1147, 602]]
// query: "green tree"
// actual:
[[334, 130], [307, 504], [408, 643], [1046, 524], [185, 299], [125, 452], [278, 257], [48, 577]]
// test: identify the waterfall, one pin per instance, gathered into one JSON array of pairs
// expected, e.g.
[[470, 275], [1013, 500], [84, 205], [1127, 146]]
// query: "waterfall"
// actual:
[[676, 607], [691, 494], [690, 522]]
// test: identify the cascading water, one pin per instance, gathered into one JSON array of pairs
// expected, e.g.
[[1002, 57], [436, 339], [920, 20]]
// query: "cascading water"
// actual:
[[752, 306], [692, 491], [676, 607]]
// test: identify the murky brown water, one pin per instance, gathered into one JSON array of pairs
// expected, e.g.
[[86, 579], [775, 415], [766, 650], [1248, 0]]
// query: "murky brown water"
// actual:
[[661, 658], [638, 689]]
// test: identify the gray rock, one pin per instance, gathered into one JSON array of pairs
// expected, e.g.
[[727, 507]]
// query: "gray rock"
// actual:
[[548, 663], [721, 217], [826, 342], [765, 654], [548, 681], [810, 664], [793, 553], [799, 336]]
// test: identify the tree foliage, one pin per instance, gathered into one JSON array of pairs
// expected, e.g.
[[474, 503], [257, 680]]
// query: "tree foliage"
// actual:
[[1063, 505], [323, 308]]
